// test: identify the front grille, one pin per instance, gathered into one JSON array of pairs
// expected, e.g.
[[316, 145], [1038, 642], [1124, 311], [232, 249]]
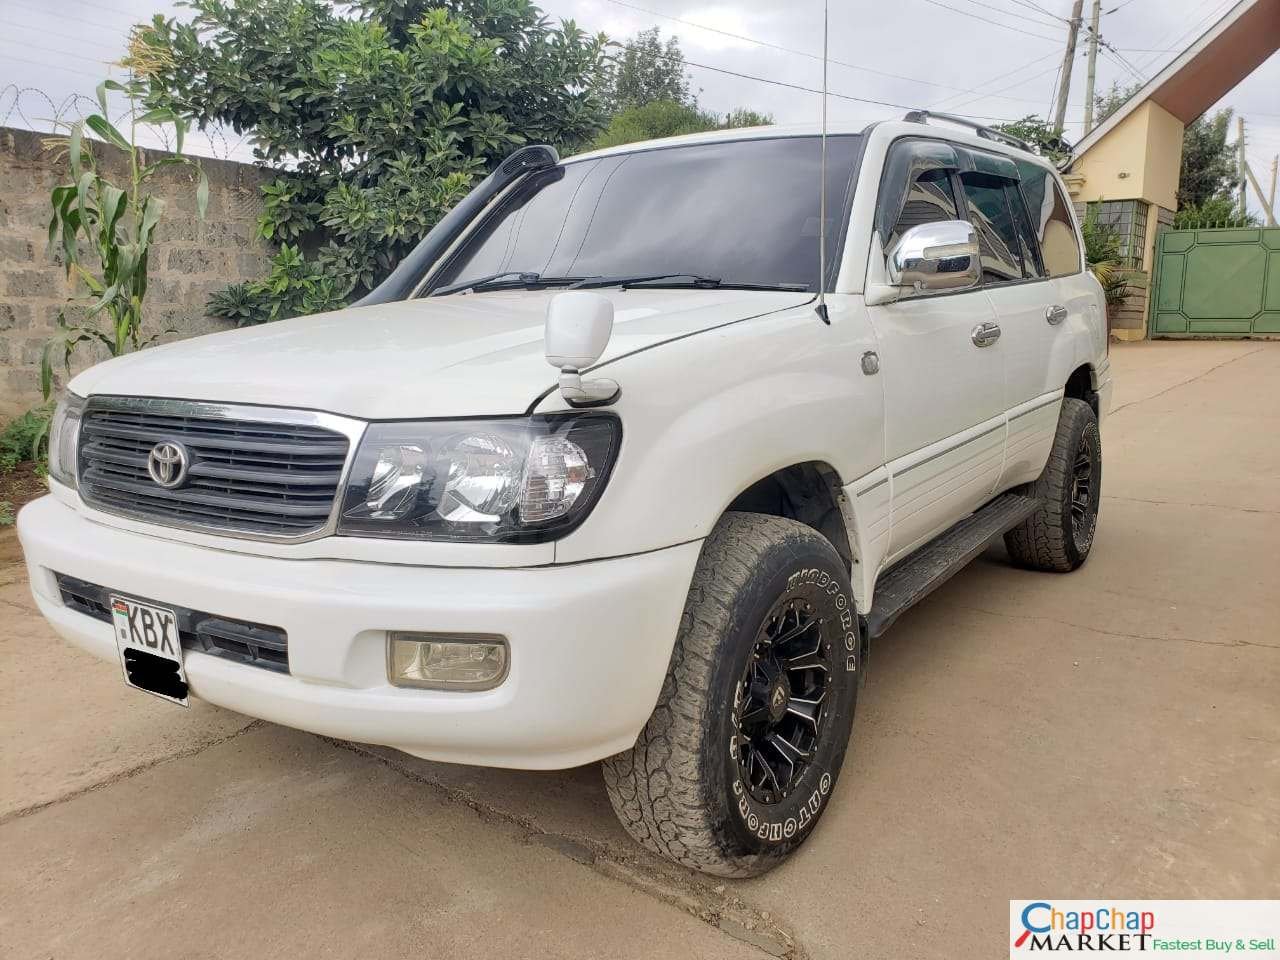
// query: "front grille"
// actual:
[[255, 477], [251, 643]]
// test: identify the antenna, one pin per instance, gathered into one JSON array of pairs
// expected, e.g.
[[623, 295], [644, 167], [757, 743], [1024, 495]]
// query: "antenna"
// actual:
[[822, 190]]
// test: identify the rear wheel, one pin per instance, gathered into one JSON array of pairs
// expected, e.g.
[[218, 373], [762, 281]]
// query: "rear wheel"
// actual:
[[1059, 535], [742, 752]]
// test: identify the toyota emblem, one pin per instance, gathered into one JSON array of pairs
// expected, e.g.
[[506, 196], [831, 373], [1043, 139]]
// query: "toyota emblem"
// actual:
[[167, 464]]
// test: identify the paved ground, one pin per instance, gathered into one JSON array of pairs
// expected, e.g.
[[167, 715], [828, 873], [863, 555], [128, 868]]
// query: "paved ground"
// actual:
[[1112, 732]]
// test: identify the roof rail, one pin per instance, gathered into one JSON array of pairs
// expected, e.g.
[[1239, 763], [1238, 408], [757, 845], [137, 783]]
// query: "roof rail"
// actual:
[[987, 133]]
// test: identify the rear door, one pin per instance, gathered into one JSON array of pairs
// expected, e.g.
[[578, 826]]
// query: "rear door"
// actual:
[[944, 394], [1066, 299], [1021, 296]]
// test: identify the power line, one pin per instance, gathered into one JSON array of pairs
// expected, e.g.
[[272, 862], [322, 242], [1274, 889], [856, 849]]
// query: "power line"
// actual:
[[1035, 6], [48, 13], [802, 53], [61, 53], [1195, 30], [99, 5], [1054, 68], [1115, 58], [1010, 13], [994, 23], [40, 63], [1053, 90], [37, 30], [801, 87], [1001, 76]]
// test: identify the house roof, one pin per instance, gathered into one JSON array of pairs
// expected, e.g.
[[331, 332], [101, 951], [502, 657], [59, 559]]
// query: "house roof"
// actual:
[[1200, 76]]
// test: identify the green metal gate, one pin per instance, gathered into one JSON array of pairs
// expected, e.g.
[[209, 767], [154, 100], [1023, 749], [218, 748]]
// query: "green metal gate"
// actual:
[[1216, 283]]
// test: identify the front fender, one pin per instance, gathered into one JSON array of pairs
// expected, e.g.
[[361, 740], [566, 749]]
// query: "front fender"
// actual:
[[706, 416]]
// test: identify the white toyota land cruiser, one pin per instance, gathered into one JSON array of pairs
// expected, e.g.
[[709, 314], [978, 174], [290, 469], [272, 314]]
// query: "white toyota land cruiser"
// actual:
[[396, 524]]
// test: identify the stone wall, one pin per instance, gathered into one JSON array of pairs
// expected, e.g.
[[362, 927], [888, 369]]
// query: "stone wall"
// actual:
[[1128, 319], [189, 261]]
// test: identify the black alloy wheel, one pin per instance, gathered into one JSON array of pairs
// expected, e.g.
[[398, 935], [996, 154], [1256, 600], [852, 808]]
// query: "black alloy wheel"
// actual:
[[779, 710]]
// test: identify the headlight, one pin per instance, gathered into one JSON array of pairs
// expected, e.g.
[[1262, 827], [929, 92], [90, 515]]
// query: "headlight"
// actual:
[[497, 481], [64, 437]]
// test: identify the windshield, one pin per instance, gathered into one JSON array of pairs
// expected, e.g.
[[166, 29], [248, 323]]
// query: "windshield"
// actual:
[[743, 212]]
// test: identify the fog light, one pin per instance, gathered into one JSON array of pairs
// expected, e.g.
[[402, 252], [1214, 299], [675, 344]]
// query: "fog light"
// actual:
[[446, 663]]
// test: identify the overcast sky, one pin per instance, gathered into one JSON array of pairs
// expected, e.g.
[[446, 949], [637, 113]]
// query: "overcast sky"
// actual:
[[994, 59]]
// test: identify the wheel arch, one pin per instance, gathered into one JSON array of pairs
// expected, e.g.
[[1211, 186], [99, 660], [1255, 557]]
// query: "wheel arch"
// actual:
[[1082, 385], [810, 492]]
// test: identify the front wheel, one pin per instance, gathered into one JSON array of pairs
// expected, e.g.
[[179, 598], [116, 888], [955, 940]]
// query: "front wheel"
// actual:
[[742, 752], [1059, 535]]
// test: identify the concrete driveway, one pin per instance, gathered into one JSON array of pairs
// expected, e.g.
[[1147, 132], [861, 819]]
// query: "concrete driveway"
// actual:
[[1113, 732]]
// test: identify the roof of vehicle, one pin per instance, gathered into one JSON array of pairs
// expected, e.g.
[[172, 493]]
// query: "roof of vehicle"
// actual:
[[938, 131]]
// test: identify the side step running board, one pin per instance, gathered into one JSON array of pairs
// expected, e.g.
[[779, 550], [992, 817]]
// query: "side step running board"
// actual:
[[912, 579]]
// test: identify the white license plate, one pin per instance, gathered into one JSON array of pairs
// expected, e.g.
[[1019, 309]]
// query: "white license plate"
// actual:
[[150, 650]]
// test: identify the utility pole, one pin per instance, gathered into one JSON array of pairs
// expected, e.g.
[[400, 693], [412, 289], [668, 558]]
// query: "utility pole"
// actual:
[[1068, 58], [1268, 206], [1244, 197], [1271, 200], [1094, 17]]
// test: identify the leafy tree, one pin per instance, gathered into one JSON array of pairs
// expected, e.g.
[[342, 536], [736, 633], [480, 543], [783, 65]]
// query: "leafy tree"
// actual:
[[380, 117], [1219, 211], [1111, 100], [1209, 162], [1039, 134], [648, 71], [746, 117], [665, 118], [661, 118]]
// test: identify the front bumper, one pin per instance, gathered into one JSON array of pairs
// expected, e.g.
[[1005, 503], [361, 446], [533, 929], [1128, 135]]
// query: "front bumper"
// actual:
[[589, 642]]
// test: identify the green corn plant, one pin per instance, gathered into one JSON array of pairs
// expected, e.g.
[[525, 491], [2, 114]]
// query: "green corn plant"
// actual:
[[105, 231]]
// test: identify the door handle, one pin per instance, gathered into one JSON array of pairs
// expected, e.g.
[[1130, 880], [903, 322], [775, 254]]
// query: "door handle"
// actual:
[[1055, 314], [985, 334]]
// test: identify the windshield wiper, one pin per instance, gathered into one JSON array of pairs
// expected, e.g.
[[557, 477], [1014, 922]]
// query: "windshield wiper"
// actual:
[[694, 280], [517, 278], [628, 280]]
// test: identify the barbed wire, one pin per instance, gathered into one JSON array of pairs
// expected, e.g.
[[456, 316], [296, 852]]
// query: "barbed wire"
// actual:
[[35, 110]]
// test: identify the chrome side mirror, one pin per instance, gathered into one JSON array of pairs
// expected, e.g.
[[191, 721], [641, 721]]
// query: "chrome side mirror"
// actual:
[[579, 325], [935, 257]]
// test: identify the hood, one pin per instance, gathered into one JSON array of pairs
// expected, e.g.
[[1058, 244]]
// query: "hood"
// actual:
[[464, 355]]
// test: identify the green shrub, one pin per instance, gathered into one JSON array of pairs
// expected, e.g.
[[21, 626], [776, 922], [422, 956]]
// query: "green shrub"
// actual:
[[25, 438], [666, 118], [1102, 254], [378, 115]]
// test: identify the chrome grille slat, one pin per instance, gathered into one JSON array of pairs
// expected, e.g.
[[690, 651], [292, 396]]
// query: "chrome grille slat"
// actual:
[[216, 441], [252, 472]]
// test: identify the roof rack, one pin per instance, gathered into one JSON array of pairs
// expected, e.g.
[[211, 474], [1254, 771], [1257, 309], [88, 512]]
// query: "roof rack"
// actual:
[[987, 133]]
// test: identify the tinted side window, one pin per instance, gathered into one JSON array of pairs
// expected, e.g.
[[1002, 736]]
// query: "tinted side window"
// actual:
[[930, 199], [1051, 220], [1030, 246], [993, 221]]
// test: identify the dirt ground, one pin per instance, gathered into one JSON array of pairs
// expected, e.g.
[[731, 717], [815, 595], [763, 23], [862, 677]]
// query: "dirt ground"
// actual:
[[1113, 732], [19, 486]]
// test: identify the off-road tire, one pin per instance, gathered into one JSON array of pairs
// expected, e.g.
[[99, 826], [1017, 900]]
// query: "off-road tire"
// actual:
[[1054, 538], [679, 791]]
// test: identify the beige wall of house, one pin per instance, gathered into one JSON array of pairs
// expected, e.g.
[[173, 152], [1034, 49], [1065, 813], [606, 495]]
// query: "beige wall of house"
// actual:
[[1139, 160]]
